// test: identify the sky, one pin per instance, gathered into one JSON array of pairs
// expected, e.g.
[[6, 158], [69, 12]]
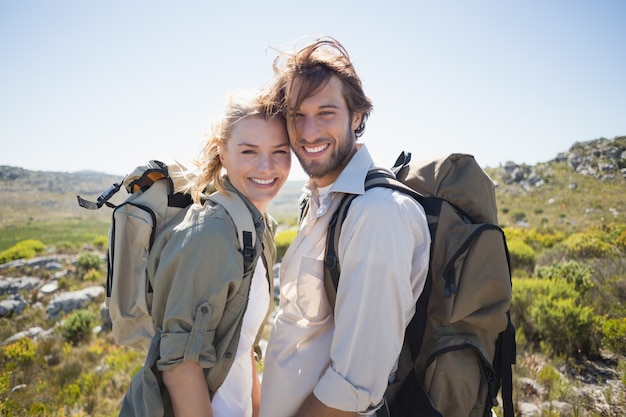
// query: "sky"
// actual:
[[108, 85]]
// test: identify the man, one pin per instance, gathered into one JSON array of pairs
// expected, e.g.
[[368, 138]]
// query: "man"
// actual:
[[321, 362]]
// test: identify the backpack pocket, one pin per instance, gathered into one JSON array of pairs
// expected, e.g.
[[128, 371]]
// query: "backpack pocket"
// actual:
[[128, 290], [455, 383]]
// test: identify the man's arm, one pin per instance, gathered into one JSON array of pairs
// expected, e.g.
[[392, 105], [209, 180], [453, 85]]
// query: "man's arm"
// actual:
[[312, 407], [188, 390]]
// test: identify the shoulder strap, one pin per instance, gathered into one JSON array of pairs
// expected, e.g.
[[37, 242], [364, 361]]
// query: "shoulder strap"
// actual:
[[375, 178], [239, 212]]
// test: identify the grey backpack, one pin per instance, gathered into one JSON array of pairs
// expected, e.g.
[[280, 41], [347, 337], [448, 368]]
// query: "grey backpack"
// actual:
[[153, 203]]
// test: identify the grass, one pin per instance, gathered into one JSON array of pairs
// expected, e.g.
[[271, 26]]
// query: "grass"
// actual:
[[559, 204], [72, 233]]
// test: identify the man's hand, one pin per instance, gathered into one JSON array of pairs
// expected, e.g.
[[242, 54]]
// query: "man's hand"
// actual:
[[312, 407]]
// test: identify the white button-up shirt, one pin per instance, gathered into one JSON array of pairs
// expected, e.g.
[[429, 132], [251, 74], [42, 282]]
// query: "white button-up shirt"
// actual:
[[346, 358]]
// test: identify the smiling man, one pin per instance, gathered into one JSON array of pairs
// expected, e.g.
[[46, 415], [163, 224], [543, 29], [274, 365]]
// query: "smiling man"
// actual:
[[320, 361]]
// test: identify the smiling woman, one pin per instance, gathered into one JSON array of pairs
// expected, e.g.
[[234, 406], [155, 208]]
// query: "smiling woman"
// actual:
[[211, 296]]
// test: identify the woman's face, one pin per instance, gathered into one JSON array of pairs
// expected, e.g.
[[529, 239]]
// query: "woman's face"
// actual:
[[257, 158]]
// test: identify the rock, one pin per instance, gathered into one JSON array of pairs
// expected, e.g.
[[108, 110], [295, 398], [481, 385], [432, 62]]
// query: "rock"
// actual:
[[33, 333], [49, 288], [528, 410], [72, 300], [12, 285], [15, 304]]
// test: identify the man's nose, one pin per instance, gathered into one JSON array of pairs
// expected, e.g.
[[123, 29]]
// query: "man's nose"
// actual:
[[309, 129]]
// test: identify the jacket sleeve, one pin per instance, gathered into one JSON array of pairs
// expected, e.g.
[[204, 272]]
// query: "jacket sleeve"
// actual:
[[199, 268]]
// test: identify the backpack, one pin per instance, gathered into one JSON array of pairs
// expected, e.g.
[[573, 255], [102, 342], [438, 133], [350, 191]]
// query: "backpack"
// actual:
[[460, 345], [152, 204]]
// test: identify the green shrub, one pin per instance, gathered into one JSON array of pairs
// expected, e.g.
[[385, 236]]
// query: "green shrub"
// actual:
[[555, 384], [614, 335], [92, 275], [620, 241], [101, 242], [21, 352], [283, 240], [23, 250], [64, 247], [88, 261], [522, 255], [588, 244], [533, 237], [77, 326], [549, 314], [567, 327], [518, 216], [575, 273]]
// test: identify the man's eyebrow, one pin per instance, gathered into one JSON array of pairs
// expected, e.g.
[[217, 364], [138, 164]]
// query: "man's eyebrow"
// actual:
[[320, 107]]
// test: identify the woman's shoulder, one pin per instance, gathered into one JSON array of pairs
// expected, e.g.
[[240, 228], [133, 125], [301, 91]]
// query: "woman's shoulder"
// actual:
[[202, 218]]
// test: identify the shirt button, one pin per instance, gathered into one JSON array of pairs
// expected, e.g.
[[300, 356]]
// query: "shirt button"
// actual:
[[204, 310], [228, 355]]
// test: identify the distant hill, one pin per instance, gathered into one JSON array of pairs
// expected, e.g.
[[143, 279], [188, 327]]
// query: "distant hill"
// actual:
[[583, 183]]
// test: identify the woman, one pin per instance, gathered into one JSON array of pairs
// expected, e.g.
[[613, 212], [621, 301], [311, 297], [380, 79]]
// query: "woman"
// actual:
[[206, 309]]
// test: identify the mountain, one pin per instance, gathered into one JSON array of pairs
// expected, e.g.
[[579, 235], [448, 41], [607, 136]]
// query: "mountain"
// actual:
[[578, 186]]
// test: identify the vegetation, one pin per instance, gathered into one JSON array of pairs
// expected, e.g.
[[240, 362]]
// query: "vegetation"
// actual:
[[71, 234], [283, 240], [568, 251], [23, 250]]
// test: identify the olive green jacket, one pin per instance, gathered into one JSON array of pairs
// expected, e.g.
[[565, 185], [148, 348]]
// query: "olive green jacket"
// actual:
[[200, 296]]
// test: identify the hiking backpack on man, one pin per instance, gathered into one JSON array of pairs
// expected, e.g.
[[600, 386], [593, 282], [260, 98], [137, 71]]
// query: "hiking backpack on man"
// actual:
[[460, 345]]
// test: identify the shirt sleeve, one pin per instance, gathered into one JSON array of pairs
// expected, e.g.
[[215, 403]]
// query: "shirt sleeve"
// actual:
[[199, 266], [383, 252]]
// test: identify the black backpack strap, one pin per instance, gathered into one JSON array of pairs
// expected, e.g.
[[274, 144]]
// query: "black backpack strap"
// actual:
[[375, 178], [246, 232], [103, 199], [303, 204]]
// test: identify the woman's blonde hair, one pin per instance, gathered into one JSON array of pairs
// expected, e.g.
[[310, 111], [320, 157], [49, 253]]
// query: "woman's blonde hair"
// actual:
[[239, 106]]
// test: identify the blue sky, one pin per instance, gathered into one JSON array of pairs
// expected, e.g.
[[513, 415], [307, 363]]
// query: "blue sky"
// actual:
[[108, 85]]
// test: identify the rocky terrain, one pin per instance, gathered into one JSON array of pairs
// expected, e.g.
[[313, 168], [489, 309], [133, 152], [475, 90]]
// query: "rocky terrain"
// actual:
[[34, 282]]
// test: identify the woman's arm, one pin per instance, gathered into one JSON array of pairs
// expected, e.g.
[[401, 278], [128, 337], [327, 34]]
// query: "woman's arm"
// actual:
[[256, 388], [188, 390]]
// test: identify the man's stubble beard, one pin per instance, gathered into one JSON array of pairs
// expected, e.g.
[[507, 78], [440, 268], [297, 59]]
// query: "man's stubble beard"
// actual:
[[337, 160]]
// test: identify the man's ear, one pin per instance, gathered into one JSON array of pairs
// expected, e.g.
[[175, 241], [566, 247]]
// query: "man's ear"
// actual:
[[357, 117]]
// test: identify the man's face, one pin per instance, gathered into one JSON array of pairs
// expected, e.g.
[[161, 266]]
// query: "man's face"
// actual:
[[323, 136]]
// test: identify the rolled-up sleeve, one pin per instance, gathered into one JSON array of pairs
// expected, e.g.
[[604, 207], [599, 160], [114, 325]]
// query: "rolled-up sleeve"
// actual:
[[384, 249], [198, 268]]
